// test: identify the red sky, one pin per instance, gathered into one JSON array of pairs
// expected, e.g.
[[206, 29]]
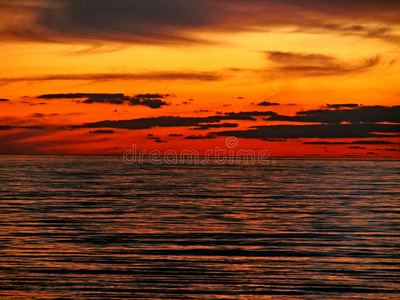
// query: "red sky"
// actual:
[[296, 78]]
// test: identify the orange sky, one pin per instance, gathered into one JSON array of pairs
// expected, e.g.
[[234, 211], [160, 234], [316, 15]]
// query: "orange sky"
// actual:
[[292, 68]]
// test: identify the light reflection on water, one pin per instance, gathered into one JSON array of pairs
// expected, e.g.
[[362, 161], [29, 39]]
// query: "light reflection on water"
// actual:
[[95, 228]]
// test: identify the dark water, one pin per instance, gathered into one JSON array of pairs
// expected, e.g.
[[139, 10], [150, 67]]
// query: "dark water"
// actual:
[[95, 228]]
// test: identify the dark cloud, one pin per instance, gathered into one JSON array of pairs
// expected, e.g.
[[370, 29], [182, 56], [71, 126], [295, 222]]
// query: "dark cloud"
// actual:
[[372, 142], [32, 127], [391, 149], [339, 106], [370, 114], [249, 115], [147, 123], [160, 141], [102, 131], [168, 121], [366, 142], [9, 127], [81, 95], [33, 103], [6, 127], [4, 100], [274, 140], [222, 125], [325, 143], [40, 115], [150, 100], [152, 137], [356, 147], [267, 103], [175, 135], [316, 131], [162, 75], [37, 115], [305, 64], [200, 137], [155, 21]]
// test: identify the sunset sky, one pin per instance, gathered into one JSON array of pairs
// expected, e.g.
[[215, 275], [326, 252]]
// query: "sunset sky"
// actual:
[[295, 77]]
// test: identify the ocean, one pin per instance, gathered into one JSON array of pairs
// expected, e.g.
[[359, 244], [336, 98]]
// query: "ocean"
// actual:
[[98, 228]]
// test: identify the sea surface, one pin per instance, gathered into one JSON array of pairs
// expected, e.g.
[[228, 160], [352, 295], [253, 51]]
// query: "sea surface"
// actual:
[[97, 228]]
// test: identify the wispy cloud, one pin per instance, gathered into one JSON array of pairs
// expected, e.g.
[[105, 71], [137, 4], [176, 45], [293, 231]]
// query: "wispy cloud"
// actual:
[[307, 65], [162, 75], [40, 115]]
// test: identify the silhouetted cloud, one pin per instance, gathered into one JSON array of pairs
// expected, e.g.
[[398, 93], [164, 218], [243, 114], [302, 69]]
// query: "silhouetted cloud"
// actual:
[[305, 65], [222, 125], [9, 127], [316, 131], [370, 114], [169, 121], [274, 140], [366, 142], [37, 115], [102, 131], [248, 115], [160, 141], [161, 75], [200, 137], [150, 100], [267, 103], [356, 147], [4, 100], [339, 106], [372, 142], [326, 143], [33, 103], [175, 135], [32, 127], [81, 96], [152, 137], [6, 127], [40, 115]]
